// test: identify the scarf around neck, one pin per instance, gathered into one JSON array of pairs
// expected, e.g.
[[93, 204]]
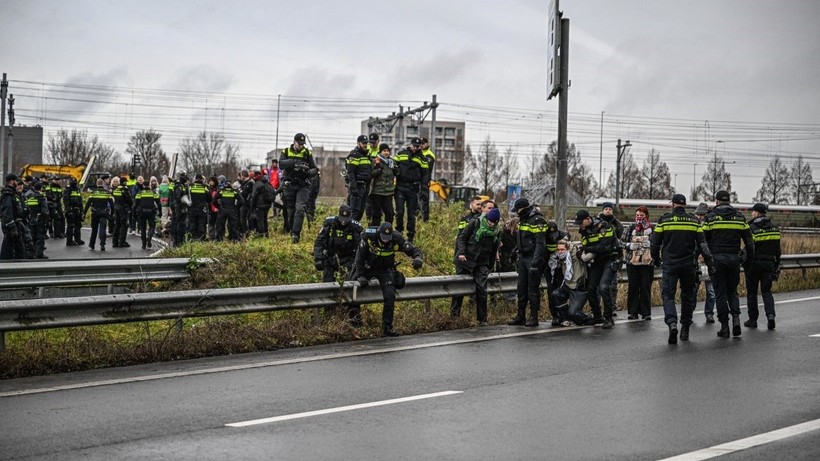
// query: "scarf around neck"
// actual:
[[484, 229]]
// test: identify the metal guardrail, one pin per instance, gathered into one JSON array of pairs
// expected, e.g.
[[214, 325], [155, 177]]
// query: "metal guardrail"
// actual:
[[95, 272], [20, 315]]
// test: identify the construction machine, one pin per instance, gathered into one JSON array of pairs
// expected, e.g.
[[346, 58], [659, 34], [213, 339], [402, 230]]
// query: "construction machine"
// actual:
[[80, 172], [452, 194]]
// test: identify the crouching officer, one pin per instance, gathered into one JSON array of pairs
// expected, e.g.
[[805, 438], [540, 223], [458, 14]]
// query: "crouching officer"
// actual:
[[375, 258], [38, 217], [762, 268], [335, 246], [676, 237]]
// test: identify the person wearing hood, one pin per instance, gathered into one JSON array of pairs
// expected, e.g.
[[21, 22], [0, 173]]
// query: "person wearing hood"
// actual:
[[764, 267], [724, 228], [382, 187], [477, 251], [599, 247], [532, 260]]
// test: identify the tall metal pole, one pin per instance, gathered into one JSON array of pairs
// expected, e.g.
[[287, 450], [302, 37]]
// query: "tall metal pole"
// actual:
[[433, 135], [4, 84], [618, 175], [400, 132], [561, 170], [11, 136], [601, 155]]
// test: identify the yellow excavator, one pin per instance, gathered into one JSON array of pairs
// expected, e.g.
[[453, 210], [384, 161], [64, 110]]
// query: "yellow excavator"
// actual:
[[80, 172], [451, 194]]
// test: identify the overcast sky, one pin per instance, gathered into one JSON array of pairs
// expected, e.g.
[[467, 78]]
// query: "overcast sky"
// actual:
[[677, 76]]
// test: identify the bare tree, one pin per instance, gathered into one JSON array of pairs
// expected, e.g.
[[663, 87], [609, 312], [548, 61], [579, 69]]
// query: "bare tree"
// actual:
[[509, 170], [715, 179], [208, 154], [484, 166], [579, 175], [657, 182], [146, 146], [632, 181], [71, 148], [774, 188], [108, 160], [802, 187]]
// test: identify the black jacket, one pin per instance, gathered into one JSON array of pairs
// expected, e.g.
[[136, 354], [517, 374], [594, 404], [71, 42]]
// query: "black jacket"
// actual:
[[677, 237], [767, 240], [724, 228], [358, 166], [599, 238], [478, 252], [337, 240], [532, 238], [373, 255], [296, 166], [412, 168]]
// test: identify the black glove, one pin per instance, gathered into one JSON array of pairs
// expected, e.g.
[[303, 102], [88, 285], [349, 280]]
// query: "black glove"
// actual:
[[363, 281], [417, 263], [656, 262], [12, 231], [712, 269], [776, 274], [319, 266]]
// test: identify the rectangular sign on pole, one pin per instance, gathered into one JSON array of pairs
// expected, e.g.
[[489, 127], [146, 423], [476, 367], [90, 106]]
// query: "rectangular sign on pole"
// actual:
[[553, 47]]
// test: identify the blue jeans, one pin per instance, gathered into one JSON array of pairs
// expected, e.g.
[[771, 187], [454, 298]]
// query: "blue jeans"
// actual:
[[685, 274], [709, 304]]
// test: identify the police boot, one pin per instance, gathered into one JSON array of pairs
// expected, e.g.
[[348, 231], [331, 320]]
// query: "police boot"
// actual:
[[673, 333], [389, 331], [608, 323], [684, 332], [124, 244], [724, 330], [735, 325], [750, 323], [533, 321], [519, 319], [70, 243], [771, 324]]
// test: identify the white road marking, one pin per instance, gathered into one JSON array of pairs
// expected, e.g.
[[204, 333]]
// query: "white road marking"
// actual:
[[778, 302], [328, 411], [748, 442], [273, 363], [814, 336]]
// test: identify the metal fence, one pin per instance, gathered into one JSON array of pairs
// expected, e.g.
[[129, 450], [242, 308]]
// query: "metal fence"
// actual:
[[43, 313]]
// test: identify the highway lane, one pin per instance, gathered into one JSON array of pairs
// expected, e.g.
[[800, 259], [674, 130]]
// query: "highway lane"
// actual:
[[57, 249], [582, 393]]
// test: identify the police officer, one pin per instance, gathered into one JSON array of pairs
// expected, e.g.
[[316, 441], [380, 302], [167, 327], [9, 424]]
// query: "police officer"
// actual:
[[358, 165], [724, 227], [11, 216], [374, 149], [532, 260], [764, 267], [608, 214], [198, 211], [475, 211], [315, 183], [38, 217], [297, 164], [424, 190], [335, 247], [675, 239], [54, 195], [373, 146], [228, 201], [122, 209], [101, 202], [375, 258], [73, 202], [599, 248], [411, 169], [554, 278], [147, 208]]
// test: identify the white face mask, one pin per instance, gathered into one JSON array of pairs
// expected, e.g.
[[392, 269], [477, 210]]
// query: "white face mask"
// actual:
[[562, 255]]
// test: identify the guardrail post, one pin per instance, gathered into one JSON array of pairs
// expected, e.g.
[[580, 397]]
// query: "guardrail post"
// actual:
[[110, 289], [178, 325], [2, 341], [316, 317], [41, 292]]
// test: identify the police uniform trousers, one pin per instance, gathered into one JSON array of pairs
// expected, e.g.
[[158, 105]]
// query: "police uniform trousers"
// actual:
[[407, 196], [147, 219], [74, 220], [480, 275], [759, 274], [13, 247], [601, 278], [529, 288], [387, 284], [226, 217], [99, 223], [120, 224], [357, 198], [424, 203], [725, 280], [179, 222], [296, 200], [58, 222], [38, 237], [672, 275], [197, 224]]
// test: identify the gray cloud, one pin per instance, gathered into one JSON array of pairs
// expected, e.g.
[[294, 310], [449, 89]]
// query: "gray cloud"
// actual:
[[203, 77]]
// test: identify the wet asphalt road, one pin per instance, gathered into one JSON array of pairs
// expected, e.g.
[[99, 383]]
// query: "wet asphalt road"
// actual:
[[57, 249], [580, 393]]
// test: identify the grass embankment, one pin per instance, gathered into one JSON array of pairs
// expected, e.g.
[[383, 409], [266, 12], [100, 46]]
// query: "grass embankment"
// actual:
[[276, 261]]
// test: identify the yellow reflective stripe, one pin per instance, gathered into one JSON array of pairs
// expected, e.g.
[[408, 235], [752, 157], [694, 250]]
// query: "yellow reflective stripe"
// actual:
[[76, 193], [552, 247], [690, 227], [766, 237], [462, 224], [103, 195], [532, 229], [421, 162], [32, 201], [727, 225], [358, 161]]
